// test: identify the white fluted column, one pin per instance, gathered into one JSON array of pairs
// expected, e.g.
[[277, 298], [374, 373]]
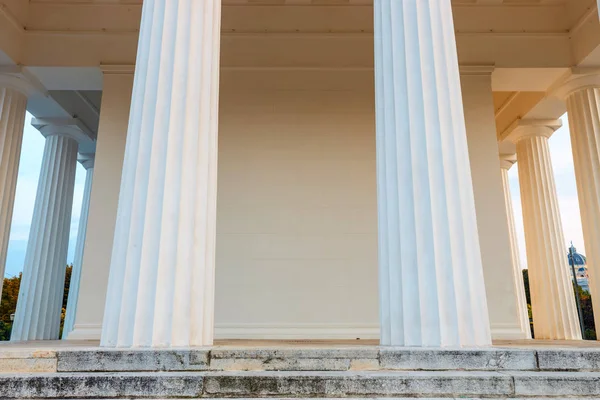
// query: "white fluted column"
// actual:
[[161, 284], [42, 285], [506, 163], [431, 280], [87, 160], [13, 105], [583, 107], [552, 295]]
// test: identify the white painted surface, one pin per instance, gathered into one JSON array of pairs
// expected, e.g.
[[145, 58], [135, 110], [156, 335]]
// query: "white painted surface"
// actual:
[[110, 147], [583, 105], [431, 286], [42, 285], [161, 283], [523, 315], [552, 297], [501, 284], [13, 104], [74, 284]]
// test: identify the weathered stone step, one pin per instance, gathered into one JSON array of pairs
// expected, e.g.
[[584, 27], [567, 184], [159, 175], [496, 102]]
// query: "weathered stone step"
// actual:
[[508, 384], [326, 359], [299, 359]]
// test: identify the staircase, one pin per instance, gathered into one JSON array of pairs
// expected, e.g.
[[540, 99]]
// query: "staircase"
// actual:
[[300, 372]]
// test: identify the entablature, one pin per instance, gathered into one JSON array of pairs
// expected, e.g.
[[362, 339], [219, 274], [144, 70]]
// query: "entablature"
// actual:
[[506, 33]]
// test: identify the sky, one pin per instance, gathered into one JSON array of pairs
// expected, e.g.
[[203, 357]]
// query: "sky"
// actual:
[[33, 149]]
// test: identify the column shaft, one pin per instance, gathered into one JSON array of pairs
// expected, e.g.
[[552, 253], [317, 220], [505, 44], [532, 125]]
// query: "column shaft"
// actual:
[[42, 285], [583, 107], [78, 260], [431, 281], [161, 283], [552, 296], [13, 105], [522, 313]]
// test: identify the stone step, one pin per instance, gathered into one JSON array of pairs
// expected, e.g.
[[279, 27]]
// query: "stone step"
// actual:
[[299, 359], [269, 384], [325, 359]]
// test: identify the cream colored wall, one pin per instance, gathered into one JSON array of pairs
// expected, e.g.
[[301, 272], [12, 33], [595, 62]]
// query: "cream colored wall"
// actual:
[[112, 131], [296, 216], [492, 221], [297, 210]]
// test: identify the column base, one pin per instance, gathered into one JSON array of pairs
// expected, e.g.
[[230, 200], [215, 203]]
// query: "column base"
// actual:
[[271, 331], [297, 331], [85, 332], [508, 332]]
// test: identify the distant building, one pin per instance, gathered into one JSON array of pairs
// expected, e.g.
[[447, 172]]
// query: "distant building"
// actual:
[[581, 270]]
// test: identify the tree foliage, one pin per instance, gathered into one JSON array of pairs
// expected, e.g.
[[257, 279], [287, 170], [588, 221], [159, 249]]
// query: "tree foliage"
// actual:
[[8, 302], [589, 330]]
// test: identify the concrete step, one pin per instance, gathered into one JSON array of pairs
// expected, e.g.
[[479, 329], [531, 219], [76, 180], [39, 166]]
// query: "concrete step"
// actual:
[[326, 359], [299, 359], [268, 384]]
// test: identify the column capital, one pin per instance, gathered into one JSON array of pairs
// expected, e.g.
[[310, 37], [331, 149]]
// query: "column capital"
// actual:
[[581, 79], [507, 161], [87, 160], [18, 78], [71, 127], [527, 128]]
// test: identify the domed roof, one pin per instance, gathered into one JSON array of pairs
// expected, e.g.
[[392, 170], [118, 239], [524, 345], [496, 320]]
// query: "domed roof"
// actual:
[[578, 258]]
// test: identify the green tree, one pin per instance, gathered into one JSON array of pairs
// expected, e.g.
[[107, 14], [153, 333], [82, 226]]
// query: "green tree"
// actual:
[[528, 299], [589, 327], [8, 302], [589, 330], [63, 311]]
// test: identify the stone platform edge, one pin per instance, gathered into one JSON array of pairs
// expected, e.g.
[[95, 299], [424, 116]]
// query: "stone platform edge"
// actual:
[[368, 358]]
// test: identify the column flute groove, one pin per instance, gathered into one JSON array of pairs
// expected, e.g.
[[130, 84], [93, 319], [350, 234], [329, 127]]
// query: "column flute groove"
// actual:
[[13, 105], [582, 95], [42, 285], [506, 163], [161, 284], [552, 297], [87, 161], [427, 227]]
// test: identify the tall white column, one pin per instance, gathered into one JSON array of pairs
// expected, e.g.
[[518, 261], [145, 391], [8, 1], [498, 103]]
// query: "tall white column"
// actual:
[[161, 283], [42, 285], [87, 160], [506, 162], [583, 107], [431, 281], [552, 296], [13, 105]]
